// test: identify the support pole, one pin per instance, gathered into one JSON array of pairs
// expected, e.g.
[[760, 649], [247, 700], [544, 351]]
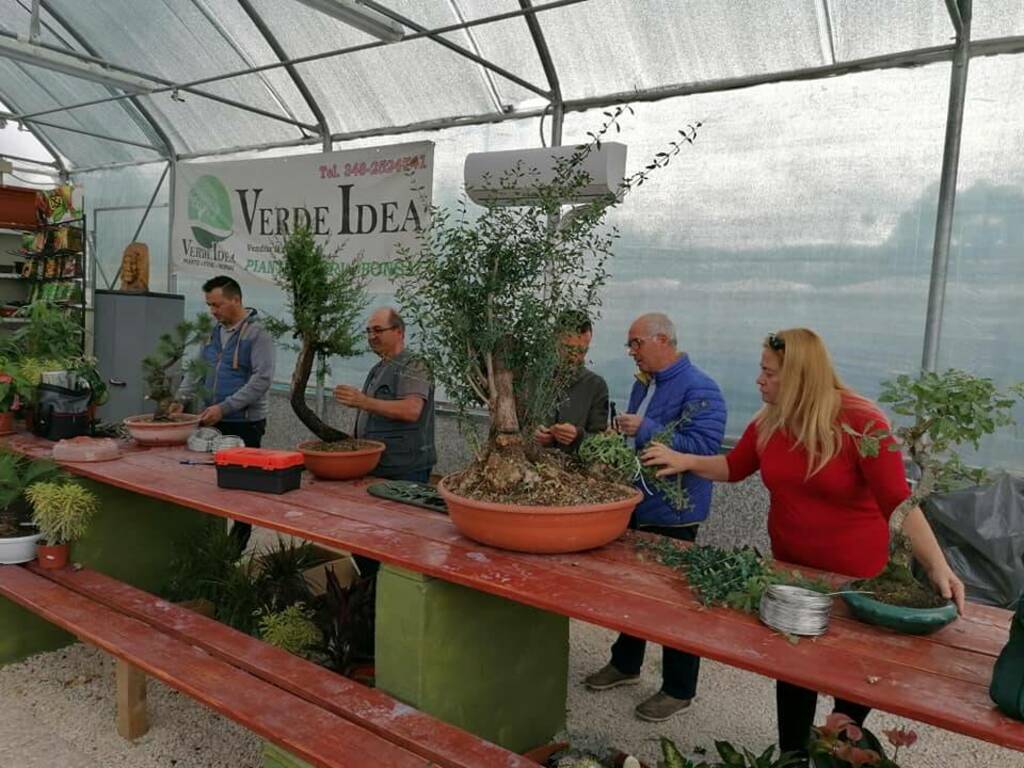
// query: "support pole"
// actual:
[[172, 186], [947, 190]]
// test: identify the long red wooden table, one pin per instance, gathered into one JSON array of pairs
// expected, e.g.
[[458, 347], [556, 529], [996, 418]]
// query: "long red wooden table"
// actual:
[[940, 679]]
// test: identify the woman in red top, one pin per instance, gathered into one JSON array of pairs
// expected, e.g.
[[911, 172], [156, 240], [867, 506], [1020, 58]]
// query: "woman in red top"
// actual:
[[830, 506]]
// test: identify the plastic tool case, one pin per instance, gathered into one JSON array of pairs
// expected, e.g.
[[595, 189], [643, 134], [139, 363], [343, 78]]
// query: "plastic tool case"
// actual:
[[258, 469]]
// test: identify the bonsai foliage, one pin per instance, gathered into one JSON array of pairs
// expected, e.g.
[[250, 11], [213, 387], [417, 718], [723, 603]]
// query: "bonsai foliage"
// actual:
[[487, 293], [326, 298], [946, 410], [62, 510], [158, 369]]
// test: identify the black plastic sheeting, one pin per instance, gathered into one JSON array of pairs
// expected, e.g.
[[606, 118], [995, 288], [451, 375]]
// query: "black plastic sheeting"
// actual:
[[981, 530]]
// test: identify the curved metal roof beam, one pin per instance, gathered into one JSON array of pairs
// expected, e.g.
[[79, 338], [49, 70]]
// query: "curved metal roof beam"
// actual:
[[550, 72], [276, 47], [40, 137], [324, 55], [151, 121], [473, 56], [244, 56]]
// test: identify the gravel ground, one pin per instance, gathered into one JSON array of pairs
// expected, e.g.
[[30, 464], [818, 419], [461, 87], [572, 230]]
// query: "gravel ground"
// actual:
[[59, 711]]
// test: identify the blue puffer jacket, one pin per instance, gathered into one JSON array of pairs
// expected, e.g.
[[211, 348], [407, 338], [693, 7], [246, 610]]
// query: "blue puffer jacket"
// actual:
[[681, 389]]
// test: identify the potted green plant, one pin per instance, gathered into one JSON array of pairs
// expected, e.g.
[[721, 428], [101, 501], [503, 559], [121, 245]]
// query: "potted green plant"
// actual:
[[325, 298], [945, 410], [160, 375], [62, 511], [488, 293], [18, 536]]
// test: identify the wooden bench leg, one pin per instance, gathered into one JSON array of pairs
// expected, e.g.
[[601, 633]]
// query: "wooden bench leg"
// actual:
[[132, 718]]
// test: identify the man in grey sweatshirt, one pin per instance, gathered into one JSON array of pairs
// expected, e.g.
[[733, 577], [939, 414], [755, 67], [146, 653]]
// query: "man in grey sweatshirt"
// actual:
[[239, 369]]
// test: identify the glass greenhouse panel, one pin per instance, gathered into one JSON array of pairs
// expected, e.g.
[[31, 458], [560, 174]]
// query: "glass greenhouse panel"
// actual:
[[864, 28], [801, 204], [115, 201], [611, 46], [981, 324]]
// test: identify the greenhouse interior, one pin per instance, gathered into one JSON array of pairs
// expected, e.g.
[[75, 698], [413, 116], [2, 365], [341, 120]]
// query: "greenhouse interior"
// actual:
[[753, 170]]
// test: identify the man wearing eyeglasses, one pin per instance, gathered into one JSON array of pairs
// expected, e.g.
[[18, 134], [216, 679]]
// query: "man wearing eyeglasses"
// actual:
[[396, 403], [583, 409], [670, 394]]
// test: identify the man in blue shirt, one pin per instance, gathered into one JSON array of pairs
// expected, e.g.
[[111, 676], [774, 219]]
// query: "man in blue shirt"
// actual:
[[670, 394]]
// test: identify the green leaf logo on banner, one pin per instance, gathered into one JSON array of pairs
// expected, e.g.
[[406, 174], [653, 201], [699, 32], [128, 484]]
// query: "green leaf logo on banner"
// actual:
[[209, 211]]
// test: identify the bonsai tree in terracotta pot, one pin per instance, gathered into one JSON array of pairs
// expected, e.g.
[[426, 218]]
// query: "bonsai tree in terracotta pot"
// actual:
[[160, 375], [62, 511], [325, 298], [489, 293], [18, 473], [945, 410]]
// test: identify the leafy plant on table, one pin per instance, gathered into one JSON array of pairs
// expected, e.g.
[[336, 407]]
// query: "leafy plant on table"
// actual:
[[159, 369], [325, 298], [729, 757], [736, 578], [944, 411], [12, 384]]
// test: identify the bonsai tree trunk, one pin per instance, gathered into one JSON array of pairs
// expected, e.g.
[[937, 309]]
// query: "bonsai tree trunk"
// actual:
[[300, 379], [900, 550], [503, 405]]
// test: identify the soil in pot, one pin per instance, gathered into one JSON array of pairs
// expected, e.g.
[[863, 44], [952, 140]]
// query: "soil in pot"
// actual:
[[341, 460], [896, 600], [897, 586], [536, 503]]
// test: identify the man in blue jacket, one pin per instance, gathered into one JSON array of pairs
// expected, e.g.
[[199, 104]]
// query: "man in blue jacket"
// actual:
[[671, 393]]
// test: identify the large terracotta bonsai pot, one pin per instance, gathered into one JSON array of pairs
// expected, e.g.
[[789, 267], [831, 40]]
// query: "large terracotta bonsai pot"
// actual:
[[540, 529], [341, 465], [908, 621], [175, 431]]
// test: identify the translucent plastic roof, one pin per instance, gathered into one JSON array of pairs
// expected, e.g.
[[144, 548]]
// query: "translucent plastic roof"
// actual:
[[599, 50]]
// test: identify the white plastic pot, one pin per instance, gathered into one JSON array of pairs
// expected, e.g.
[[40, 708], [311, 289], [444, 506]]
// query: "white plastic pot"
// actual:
[[20, 549]]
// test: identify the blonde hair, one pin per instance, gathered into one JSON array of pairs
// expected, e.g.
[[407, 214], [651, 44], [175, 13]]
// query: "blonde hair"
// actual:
[[811, 396]]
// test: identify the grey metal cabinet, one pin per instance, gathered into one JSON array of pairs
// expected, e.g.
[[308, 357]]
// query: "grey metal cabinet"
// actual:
[[127, 327]]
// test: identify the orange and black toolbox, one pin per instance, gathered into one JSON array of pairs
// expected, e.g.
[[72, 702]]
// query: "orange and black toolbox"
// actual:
[[258, 469]]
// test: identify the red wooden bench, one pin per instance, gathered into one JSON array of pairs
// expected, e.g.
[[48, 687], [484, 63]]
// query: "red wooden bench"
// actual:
[[313, 713]]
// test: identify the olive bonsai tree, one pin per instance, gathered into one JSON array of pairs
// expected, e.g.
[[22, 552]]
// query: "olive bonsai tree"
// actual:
[[945, 411], [325, 298], [488, 293]]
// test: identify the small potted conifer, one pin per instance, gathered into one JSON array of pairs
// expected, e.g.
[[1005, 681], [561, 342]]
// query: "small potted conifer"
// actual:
[[62, 511]]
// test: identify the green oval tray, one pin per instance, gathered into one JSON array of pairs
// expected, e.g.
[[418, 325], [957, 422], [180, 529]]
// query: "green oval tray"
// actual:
[[909, 621]]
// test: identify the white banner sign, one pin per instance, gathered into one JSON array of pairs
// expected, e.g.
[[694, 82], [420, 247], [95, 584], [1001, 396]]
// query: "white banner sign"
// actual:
[[232, 218]]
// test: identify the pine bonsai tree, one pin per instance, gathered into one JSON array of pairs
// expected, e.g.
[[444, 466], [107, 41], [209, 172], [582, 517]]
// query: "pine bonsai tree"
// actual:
[[326, 298], [158, 369]]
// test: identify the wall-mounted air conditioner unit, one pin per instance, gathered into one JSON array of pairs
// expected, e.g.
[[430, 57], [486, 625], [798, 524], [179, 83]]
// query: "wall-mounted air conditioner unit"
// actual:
[[489, 176]]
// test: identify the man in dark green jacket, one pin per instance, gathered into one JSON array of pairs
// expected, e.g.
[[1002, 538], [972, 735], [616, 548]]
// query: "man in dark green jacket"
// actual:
[[583, 409]]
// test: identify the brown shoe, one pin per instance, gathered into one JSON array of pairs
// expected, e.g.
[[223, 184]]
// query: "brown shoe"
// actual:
[[609, 677], [660, 707]]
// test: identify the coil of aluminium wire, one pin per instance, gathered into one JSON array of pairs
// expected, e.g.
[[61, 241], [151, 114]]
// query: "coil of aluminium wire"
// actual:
[[795, 610]]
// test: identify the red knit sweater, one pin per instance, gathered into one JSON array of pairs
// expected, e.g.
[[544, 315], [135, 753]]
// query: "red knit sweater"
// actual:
[[838, 519]]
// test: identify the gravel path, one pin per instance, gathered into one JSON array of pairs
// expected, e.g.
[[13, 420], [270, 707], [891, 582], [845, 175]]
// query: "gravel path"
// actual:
[[58, 710]]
